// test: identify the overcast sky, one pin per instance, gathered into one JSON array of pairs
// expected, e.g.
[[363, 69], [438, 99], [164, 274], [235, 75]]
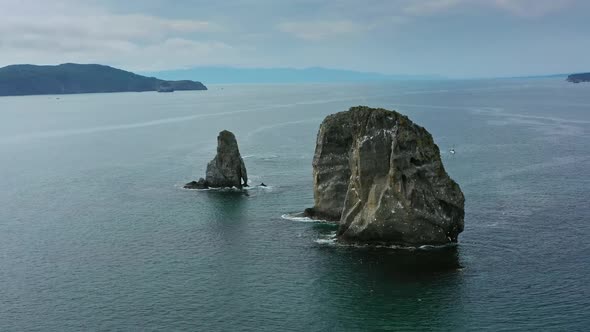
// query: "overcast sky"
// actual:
[[457, 38]]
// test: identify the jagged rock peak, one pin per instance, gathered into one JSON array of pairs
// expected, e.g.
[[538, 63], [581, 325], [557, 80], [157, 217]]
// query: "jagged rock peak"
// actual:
[[227, 169]]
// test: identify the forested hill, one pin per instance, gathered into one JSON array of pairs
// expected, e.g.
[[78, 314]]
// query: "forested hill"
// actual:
[[19, 80]]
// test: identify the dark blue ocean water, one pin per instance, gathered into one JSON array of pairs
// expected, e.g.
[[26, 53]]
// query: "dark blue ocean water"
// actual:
[[97, 234]]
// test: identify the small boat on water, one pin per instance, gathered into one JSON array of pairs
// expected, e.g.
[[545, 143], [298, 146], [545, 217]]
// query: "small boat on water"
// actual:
[[452, 150]]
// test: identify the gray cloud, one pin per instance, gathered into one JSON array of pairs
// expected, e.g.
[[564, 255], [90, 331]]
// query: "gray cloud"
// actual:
[[321, 30], [392, 36], [72, 32], [525, 8]]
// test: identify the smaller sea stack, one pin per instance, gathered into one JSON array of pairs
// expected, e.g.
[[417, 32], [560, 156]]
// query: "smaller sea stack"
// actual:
[[227, 169]]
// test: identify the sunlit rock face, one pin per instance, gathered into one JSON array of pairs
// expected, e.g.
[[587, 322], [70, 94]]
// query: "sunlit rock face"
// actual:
[[380, 176]]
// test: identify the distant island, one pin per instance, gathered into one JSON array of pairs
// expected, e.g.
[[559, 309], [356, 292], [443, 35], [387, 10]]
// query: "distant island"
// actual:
[[69, 78], [579, 78]]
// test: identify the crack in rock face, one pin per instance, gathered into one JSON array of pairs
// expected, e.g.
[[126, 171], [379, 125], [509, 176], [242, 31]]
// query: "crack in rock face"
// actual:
[[380, 177]]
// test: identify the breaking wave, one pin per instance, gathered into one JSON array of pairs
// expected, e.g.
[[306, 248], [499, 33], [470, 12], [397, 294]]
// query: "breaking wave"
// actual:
[[301, 218]]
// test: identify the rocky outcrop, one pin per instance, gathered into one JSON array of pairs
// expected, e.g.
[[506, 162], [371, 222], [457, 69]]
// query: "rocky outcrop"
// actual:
[[381, 178], [579, 78], [201, 184], [227, 169]]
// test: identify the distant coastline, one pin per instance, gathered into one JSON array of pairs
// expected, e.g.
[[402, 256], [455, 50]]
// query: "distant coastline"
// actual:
[[71, 78], [236, 75], [579, 78]]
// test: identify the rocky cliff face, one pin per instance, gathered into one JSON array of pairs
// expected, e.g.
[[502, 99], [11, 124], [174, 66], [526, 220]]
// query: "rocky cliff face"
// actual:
[[227, 169], [380, 176]]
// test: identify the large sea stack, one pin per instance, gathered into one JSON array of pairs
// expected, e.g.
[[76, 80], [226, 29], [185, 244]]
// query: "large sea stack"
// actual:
[[227, 169], [381, 178]]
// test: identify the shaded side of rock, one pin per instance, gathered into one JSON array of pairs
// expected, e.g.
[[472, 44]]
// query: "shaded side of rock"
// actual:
[[227, 169], [381, 177], [331, 166]]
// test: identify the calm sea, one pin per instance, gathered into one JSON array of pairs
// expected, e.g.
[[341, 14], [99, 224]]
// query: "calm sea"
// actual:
[[96, 232]]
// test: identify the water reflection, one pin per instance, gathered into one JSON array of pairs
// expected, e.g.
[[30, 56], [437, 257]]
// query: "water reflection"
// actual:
[[416, 263], [391, 289], [402, 264], [396, 263], [227, 208]]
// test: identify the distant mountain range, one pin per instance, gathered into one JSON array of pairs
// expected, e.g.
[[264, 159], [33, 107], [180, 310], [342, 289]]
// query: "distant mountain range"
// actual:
[[540, 76], [579, 78], [281, 75], [19, 80]]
